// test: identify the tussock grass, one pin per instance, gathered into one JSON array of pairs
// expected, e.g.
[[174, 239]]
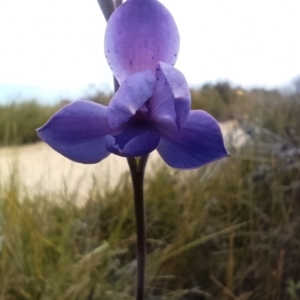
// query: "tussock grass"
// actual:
[[229, 230]]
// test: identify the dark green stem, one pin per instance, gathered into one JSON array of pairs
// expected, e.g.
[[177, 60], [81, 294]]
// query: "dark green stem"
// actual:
[[137, 170]]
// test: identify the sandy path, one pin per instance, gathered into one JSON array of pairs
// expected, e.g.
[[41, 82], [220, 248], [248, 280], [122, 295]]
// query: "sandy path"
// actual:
[[42, 169]]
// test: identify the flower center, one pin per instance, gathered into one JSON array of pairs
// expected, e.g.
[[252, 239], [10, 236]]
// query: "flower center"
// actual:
[[142, 115]]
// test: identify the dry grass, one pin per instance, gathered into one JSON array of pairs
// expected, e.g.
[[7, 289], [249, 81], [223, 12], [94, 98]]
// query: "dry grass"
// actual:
[[227, 231]]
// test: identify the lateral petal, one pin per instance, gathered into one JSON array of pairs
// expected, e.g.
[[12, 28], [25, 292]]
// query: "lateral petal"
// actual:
[[138, 35], [134, 141], [197, 143], [171, 98], [77, 131], [132, 95]]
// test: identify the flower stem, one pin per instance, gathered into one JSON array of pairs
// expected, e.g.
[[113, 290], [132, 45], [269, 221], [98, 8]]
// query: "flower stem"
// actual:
[[107, 7], [137, 170], [118, 3]]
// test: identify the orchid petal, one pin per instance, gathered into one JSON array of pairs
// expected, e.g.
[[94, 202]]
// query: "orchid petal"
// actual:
[[197, 143], [77, 131], [138, 35], [171, 98], [179, 87], [134, 141], [132, 95]]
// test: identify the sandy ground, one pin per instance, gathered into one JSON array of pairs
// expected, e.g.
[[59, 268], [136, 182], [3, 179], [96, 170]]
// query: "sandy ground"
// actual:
[[42, 169]]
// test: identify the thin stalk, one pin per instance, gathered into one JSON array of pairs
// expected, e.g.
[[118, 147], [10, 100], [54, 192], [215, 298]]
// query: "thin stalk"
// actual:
[[107, 7], [137, 171], [118, 3]]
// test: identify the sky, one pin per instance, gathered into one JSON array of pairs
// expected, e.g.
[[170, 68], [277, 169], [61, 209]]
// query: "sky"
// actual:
[[54, 49]]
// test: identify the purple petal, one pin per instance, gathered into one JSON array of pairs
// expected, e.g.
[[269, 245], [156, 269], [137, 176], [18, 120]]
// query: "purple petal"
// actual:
[[138, 35], [131, 96], [172, 98], [197, 143], [134, 141], [77, 131]]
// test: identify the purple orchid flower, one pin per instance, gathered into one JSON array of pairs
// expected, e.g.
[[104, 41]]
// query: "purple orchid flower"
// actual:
[[151, 109]]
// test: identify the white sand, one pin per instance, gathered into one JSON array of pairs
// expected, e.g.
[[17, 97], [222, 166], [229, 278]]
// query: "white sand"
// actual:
[[42, 169]]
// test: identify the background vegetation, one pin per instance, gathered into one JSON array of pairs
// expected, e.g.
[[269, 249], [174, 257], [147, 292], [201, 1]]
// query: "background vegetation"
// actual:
[[226, 231]]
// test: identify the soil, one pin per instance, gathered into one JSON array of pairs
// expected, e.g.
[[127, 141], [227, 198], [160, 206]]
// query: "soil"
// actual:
[[41, 169]]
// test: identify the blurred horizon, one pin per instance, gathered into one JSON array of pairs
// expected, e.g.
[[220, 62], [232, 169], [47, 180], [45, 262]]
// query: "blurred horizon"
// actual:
[[49, 51], [51, 95]]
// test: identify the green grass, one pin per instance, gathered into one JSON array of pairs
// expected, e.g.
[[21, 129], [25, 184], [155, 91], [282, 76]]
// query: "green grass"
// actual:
[[18, 120], [230, 230]]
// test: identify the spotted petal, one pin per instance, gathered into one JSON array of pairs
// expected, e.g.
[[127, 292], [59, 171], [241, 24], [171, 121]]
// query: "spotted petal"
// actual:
[[197, 143], [138, 35], [172, 98], [77, 131]]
